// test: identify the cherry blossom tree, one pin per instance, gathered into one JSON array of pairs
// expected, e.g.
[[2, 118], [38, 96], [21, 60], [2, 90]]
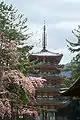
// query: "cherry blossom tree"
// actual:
[[29, 84], [14, 86]]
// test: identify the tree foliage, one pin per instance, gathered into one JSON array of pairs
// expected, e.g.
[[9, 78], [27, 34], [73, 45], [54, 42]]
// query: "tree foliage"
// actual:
[[12, 23], [74, 47], [13, 30], [74, 66], [25, 66], [14, 86], [8, 62], [14, 26]]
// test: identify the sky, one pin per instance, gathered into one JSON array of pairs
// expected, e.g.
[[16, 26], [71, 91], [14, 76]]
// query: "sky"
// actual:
[[61, 16]]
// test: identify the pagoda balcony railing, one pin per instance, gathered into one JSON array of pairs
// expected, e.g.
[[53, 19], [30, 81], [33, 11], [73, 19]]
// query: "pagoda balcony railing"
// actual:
[[51, 86], [60, 98], [48, 67], [45, 74], [50, 100], [51, 76], [46, 63], [48, 88], [49, 63]]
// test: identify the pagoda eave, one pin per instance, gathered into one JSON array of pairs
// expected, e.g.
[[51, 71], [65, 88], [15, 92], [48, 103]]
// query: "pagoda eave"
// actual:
[[51, 105], [73, 91], [45, 92], [52, 79], [49, 67], [48, 58], [47, 89]]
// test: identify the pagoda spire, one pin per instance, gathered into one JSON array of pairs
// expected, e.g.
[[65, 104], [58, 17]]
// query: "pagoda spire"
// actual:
[[44, 41]]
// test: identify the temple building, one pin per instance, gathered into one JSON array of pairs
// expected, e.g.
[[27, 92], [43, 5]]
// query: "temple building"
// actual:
[[47, 64], [72, 111], [73, 90]]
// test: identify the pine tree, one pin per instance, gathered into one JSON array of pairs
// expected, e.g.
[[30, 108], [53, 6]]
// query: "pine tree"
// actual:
[[14, 27], [74, 47], [74, 66], [13, 30], [12, 23]]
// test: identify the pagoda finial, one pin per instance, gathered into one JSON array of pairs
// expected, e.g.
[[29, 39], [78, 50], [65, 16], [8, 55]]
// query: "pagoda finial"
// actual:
[[44, 44]]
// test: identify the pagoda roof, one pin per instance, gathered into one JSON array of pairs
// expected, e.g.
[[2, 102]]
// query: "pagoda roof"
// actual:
[[73, 90], [53, 102], [45, 52], [49, 67], [50, 110], [44, 89]]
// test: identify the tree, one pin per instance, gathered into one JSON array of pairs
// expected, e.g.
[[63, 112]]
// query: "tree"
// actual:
[[75, 46], [9, 62], [74, 66], [14, 86], [14, 26], [25, 66], [17, 85]]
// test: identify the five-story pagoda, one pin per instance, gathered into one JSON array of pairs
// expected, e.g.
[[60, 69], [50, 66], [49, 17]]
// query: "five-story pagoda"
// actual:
[[47, 63]]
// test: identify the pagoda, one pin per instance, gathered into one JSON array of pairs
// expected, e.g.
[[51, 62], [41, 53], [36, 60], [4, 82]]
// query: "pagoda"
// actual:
[[47, 63]]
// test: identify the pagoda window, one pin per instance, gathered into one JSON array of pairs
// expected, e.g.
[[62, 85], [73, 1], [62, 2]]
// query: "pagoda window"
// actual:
[[50, 97], [39, 97], [44, 60], [48, 63], [44, 73], [49, 85], [57, 75], [53, 73], [49, 73], [45, 95], [40, 73], [37, 58]]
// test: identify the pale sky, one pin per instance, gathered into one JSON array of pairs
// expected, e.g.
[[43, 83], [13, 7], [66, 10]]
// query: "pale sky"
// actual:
[[61, 16]]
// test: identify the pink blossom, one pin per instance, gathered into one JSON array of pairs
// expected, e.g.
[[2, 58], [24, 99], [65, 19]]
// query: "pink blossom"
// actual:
[[7, 108], [28, 83], [2, 109]]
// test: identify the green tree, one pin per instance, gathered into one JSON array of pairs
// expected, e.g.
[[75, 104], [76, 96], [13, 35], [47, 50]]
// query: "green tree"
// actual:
[[26, 66], [9, 62], [74, 66], [13, 24], [74, 47], [13, 30]]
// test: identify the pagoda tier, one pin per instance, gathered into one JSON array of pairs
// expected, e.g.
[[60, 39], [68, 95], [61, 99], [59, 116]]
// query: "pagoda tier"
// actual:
[[52, 107], [52, 79], [43, 71], [46, 56], [50, 90], [54, 103], [51, 82], [49, 67], [50, 96]]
